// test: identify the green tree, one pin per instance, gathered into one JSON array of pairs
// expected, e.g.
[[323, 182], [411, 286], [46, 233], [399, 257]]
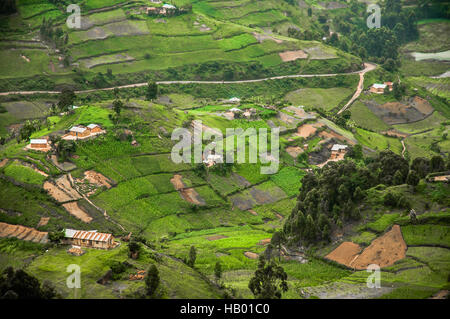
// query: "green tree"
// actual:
[[398, 178], [413, 179], [437, 163], [66, 99], [18, 284], [152, 281], [152, 91], [134, 249], [117, 106], [277, 240], [218, 270], [269, 280], [192, 256]]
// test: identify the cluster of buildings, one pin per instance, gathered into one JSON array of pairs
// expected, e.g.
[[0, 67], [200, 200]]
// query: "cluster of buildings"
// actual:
[[379, 88], [166, 9], [76, 132], [82, 132]]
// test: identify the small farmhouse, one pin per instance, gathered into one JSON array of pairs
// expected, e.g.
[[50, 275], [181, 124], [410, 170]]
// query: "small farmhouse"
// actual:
[[379, 88], [91, 239], [338, 148], [94, 128], [39, 143], [79, 131]]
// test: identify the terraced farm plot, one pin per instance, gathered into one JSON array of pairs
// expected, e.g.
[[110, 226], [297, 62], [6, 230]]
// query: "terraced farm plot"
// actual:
[[106, 60], [117, 29], [24, 233], [265, 193], [24, 174], [325, 99], [227, 184], [365, 118], [36, 62]]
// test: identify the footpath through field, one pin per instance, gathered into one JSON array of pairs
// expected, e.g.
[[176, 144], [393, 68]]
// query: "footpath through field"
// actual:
[[367, 67]]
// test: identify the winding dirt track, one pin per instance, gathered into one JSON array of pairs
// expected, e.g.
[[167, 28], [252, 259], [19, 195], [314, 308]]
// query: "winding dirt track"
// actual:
[[367, 67]]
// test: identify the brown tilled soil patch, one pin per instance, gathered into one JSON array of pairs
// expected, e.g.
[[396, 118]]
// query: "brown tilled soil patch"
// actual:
[[383, 251], [76, 211], [422, 105], [332, 134], [395, 133], [216, 237], [306, 130], [22, 232], [97, 179], [63, 190], [191, 195], [253, 212], [265, 241], [251, 255], [345, 253], [177, 182], [43, 221], [293, 55], [440, 295], [3, 162], [294, 151]]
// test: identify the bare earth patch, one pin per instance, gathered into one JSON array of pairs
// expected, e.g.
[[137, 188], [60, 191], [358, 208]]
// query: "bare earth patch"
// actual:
[[307, 130], [76, 211], [98, 179], [22, 232], [62, 190], [3, 162], [191, 195], [345, 253], [251, 255], [293, 55], [177, 182], [265, 241], [383, 251], [43, 221], [294, 151]]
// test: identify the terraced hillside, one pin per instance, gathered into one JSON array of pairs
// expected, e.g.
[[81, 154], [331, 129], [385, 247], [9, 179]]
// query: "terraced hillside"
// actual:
[[124, 43], [362, 175]]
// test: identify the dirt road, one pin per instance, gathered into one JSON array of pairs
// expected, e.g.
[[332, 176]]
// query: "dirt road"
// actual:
[[367, 67]]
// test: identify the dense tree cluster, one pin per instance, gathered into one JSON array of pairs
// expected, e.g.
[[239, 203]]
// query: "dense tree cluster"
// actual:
[[8, 7], [332, 195], [17, 284]]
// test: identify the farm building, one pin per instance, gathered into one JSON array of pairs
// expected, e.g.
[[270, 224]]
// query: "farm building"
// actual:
[[79, 131], [39, 143], [338, 148], [379, 88], [91, 239], [94, 128], [234, 100]]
